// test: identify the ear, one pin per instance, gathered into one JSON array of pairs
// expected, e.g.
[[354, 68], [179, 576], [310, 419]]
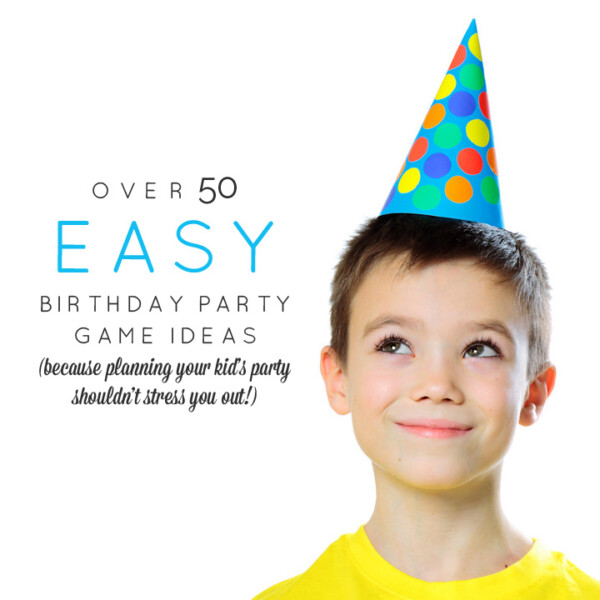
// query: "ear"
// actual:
[[537, 394], [334, 378]]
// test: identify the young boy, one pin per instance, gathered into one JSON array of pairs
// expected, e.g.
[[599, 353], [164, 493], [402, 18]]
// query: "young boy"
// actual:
[[440, 332]]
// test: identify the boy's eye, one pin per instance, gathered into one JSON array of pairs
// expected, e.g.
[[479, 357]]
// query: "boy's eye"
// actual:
[[481, 350], [394, 346]]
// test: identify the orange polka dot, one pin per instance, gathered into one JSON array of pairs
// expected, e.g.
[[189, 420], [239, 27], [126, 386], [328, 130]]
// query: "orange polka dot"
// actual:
[[491, 158], [470, 161], [434, 116], [460, 55], [400, 171], [418, 149], [458, 189]]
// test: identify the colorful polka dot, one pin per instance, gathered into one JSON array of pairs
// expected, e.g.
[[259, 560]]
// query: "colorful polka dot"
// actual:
[[447, 87], [471, 76], [409, 181], [450, 170], [389, 198], [459, 58], [474, 46], [418, 149], [483, 105], [447, 135], [435, 115], [426, 197], [489, 189], [470, 161], [458, 189], [491, 158], [461, 104], [437, 165], [478, 132], [402, 169]]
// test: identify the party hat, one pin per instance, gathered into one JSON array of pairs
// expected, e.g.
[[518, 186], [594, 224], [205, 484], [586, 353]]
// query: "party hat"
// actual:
[[451, 169]]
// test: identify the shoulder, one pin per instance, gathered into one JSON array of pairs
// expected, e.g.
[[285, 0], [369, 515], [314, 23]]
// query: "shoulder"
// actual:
[[565, 580], [578, 581], [316, 580], [277, 591]]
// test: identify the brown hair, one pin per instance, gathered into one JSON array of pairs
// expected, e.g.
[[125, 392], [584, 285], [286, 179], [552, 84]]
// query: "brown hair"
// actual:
[[430, 240]]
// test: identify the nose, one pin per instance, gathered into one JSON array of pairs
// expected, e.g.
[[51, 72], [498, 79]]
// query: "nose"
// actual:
[[436, 379]]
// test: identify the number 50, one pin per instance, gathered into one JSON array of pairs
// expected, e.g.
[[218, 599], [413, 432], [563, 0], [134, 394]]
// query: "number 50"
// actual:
[[210, 193]]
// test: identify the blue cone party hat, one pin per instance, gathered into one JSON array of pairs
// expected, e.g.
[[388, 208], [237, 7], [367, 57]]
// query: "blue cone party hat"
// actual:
[[451, 169]]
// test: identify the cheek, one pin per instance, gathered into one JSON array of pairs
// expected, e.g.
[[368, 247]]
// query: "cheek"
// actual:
[[373, 387], [498, 394], [372, 392], [499, 415]]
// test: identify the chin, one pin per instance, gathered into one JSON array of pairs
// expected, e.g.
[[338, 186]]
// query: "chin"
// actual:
[[437, 481], [432, 475]]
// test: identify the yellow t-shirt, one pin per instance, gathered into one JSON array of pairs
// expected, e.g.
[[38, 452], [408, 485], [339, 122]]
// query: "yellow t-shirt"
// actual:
[[351, 569]]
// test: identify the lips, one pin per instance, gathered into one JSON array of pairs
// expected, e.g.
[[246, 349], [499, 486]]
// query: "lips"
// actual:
[[434, 428], [434, 424]]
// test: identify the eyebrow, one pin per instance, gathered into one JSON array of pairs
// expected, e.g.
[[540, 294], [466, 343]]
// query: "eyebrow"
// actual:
[[385, 320], [495, 325], [412, 323]]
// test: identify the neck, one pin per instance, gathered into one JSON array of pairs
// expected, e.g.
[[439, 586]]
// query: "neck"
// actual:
[[444, 535]]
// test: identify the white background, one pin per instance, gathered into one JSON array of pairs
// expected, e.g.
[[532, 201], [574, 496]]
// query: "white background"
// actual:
[[312, 108]]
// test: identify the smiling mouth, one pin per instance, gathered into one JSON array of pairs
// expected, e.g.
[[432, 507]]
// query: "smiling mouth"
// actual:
[[435, 428]]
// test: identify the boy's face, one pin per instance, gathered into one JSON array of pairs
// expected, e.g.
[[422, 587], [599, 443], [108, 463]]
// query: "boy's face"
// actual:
[[436, 372]]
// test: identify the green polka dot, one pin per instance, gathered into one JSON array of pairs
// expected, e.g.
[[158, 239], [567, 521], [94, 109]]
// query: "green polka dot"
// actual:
[[426, 197], [471, 76], [489, 189], [447, 135]]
